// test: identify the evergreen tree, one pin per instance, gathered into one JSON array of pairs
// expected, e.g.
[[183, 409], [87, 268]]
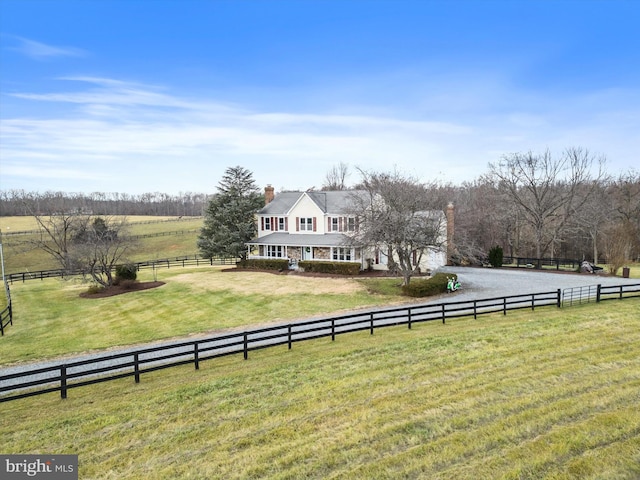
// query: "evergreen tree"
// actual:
[[230, 217]]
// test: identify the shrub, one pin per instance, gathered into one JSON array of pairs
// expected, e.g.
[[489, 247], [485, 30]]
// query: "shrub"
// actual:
[[126, 272], [278, 264], [427, 287], [337, 268], [495, 256]]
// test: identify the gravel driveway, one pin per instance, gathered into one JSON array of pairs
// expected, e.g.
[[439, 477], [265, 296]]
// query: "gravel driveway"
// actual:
[[477, 283], [490, 282]]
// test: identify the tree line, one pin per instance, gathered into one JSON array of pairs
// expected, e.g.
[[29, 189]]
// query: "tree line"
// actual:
[[529, 204], [539, 205], [21, 202]]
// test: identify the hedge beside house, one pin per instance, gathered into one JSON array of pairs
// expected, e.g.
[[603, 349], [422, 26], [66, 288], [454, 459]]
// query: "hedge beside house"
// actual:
[[264, 264], [337, 268]]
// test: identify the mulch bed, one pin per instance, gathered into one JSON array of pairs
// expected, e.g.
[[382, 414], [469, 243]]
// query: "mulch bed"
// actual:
[[120, 289], [362, 274]]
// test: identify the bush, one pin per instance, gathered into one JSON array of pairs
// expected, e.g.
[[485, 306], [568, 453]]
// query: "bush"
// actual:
[[427, 287], [278, 264], [337, 268], [495, 256], [126, 272]]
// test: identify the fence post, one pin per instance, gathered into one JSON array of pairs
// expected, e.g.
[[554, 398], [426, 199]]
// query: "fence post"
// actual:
[[504, 306], [289, 335], [63, 381], [475, 309], [371, 329], [196, 355], [598, 292], [136, 367], [246, 346], [443, 313], [333, 330], [533, 301], [559, 299], [409, 318]]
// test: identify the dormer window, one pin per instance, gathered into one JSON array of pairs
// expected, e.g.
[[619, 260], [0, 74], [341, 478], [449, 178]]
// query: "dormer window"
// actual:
[[306, 224]]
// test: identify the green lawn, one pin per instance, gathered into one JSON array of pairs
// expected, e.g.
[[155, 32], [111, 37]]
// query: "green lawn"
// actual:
[[547, 394], [193, 301], [20, 256]]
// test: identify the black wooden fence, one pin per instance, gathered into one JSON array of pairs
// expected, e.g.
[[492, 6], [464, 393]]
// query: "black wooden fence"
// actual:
[[6, 317], [531, 262], [62, 377], [597, 293], [190, 260]]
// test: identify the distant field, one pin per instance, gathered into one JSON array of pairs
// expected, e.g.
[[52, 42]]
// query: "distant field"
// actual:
[[550, 394], [24, 223], [182, 233]]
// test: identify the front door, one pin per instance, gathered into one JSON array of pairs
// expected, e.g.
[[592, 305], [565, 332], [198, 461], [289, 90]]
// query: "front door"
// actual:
[[307, 253]]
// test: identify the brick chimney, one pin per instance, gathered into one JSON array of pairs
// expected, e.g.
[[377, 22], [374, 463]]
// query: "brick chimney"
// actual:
[[450, 231], [268, 194]]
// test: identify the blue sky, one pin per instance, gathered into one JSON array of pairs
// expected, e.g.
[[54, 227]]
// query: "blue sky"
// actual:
[[142, 96]]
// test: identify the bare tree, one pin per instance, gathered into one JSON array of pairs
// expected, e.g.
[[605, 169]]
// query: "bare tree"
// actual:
[[59, 225], [593, 219], [336, 178], [101, 246], [402, 214], [544, 189], [625, 196]]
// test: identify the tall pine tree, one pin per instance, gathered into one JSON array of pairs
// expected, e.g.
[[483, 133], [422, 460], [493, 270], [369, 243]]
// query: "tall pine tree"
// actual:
[[230, 217]]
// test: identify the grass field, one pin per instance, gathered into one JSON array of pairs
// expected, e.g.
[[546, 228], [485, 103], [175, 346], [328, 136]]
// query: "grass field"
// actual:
[[546, 394], [21, 256], [193, 300], [550, 394]]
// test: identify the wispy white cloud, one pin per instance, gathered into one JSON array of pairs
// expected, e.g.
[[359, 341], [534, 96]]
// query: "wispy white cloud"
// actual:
[[39, 51], [122, 136]]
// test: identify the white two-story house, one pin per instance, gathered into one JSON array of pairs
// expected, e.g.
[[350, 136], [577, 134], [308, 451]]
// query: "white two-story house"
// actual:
[[319, 225]]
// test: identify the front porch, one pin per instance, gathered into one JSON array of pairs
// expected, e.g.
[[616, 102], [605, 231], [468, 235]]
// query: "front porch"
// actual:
[[296, 248]]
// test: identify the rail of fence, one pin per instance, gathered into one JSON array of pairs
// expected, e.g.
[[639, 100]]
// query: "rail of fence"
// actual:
[[191, 260], [6, 315], [531, 262], [6, 318], [72, 374], [62, 377], [598, 293]]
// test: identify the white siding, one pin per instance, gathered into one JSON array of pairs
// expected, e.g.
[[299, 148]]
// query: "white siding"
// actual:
[[306, 208]]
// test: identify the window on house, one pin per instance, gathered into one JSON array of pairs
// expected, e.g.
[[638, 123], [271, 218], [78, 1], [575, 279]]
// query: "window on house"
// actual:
[[267, 223], [306, 224], [342, 254], [351, 224], [281, 224], [274, 251], [335, 224]]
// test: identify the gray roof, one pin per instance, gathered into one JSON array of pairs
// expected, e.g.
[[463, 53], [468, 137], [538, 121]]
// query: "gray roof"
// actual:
[[303, 240], [331, 202]]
